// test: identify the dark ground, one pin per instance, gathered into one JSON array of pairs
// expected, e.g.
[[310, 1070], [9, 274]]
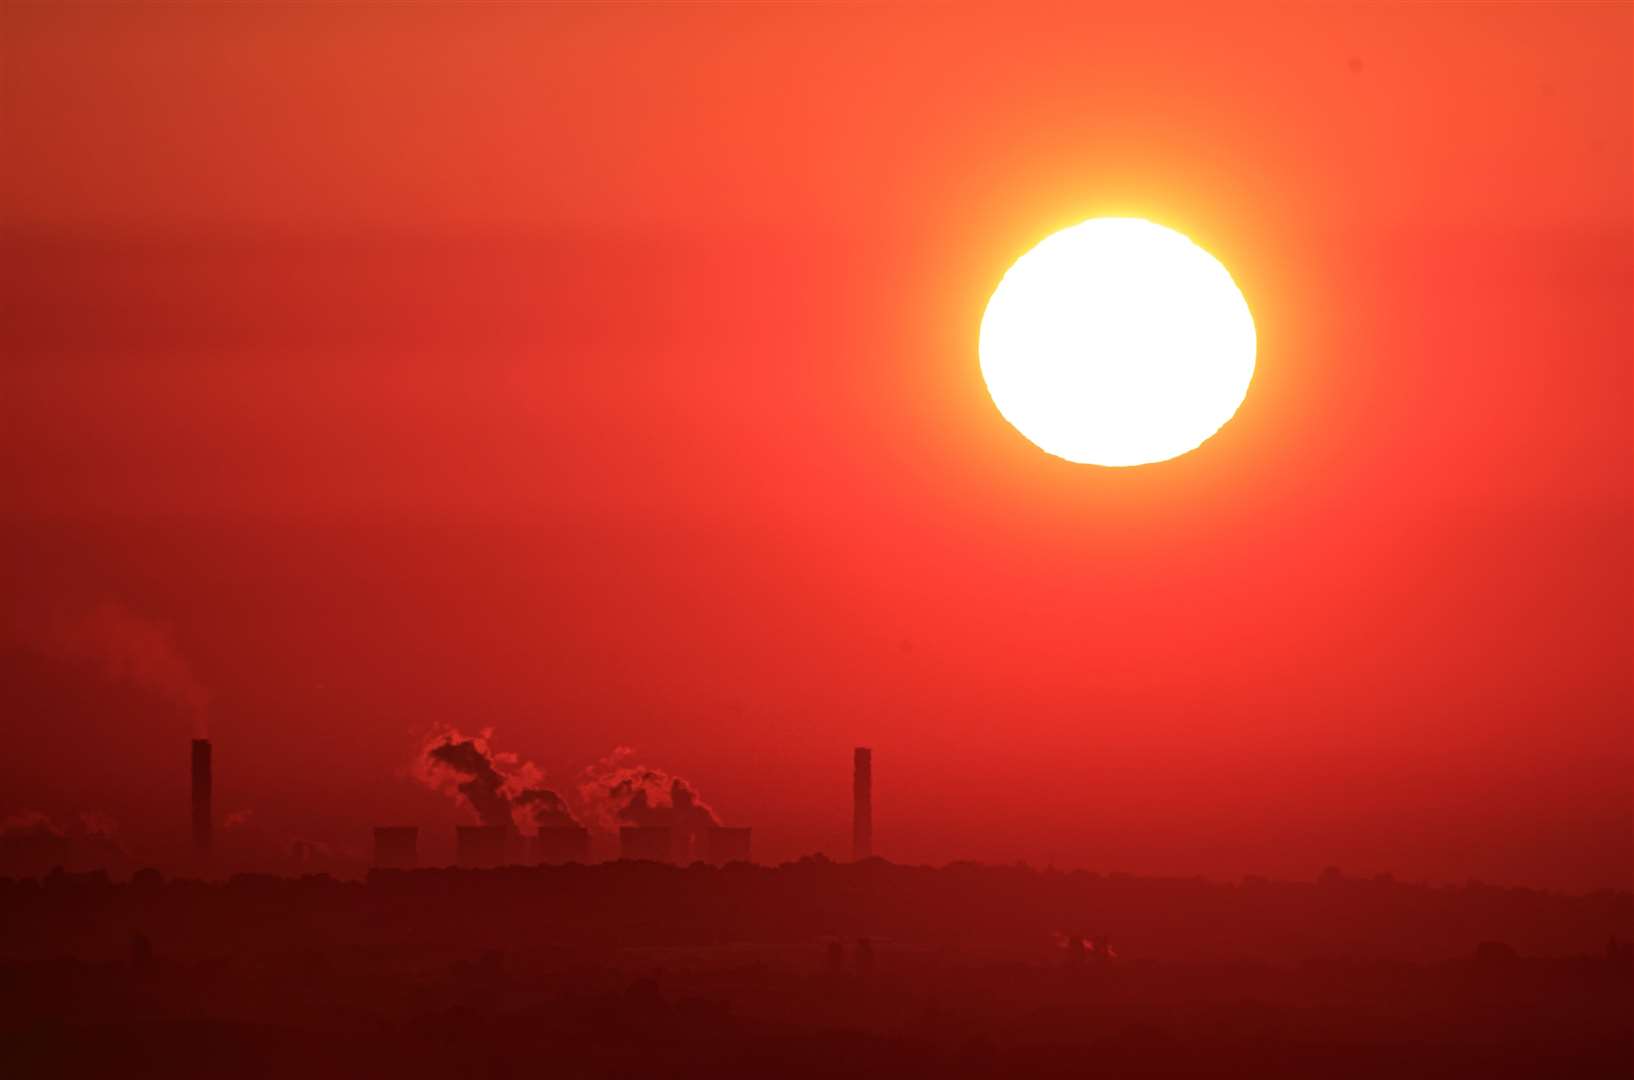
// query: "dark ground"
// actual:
[[643, 970]]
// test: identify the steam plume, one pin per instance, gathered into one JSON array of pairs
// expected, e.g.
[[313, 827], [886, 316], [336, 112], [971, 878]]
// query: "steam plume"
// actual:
[[543, 807], [482, 786], [500, 787], [615, 793]]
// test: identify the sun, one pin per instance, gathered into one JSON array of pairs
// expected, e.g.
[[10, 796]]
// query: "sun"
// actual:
[[1117, 342]]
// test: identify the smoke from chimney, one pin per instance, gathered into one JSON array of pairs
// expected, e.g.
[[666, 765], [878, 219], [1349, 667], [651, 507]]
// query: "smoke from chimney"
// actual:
[[544, 808], [614, 794], [482, 787], [502, 789], [128, 648]]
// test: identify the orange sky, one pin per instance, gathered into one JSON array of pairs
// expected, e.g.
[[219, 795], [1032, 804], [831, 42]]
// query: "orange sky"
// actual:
[[608, 375]]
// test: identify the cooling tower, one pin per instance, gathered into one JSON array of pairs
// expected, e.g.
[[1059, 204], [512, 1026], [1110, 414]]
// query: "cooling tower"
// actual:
[[202, 782], [480, 845], [725, 843], [562, 844], [397, 846], [862, 803], [653, 842]]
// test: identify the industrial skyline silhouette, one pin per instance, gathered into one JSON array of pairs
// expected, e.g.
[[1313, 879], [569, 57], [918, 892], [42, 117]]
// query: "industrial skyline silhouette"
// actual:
[[701, 540]]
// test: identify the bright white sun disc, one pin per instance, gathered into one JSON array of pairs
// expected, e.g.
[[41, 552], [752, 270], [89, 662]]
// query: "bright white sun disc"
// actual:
[[1117, 342]]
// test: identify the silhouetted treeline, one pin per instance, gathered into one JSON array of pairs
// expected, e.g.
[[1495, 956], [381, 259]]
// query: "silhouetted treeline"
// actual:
[[959, 906], [808, 969]]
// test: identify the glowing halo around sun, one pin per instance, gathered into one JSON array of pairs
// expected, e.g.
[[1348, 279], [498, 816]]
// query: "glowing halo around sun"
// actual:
[[1117, 342]]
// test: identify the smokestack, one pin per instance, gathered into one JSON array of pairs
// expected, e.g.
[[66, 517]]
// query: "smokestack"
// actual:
[[202, 825], [862, 803]]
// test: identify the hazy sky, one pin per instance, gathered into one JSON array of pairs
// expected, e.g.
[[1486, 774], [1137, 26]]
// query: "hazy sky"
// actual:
[[608, 376]]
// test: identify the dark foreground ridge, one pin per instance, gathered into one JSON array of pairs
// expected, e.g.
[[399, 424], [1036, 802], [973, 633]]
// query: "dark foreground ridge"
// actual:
[[807, 969]]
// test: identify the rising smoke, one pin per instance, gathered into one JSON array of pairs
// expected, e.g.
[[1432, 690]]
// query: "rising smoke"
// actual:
[[500, 787], [614, 792], [86, 825], [504, 790], [128, 648]]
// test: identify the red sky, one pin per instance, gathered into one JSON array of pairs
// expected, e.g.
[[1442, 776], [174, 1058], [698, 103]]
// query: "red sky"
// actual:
[[608, 376]]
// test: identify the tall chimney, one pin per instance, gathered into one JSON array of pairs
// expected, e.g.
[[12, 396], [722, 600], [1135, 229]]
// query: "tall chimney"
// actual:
[[201, 795], [862, 803]]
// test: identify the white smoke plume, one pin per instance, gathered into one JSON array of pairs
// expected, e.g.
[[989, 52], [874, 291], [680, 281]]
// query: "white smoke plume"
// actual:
[[614, 792], [498, 786]]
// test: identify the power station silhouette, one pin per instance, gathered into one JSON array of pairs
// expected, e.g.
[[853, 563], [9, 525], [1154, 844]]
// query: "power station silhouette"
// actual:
[[397, 847]]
